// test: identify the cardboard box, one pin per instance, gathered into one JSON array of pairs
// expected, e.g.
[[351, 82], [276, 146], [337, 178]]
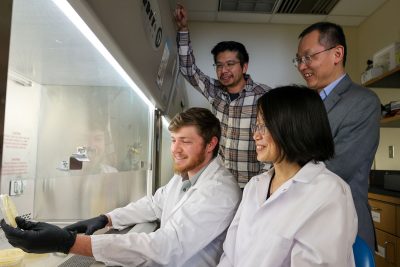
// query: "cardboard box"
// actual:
[[388, 58], [371, 73]]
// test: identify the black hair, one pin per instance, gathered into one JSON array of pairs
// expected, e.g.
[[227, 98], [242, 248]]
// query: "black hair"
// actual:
[[242, 54], [330, 34], [298, 123], [206, 123]]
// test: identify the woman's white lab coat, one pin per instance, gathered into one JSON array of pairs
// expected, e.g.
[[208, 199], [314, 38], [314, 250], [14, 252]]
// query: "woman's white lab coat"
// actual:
[[193, 225], [308, 221]]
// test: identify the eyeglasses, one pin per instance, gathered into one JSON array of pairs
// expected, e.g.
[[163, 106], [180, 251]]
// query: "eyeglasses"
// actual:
[[259, 128], [228, 65], [308, 58]]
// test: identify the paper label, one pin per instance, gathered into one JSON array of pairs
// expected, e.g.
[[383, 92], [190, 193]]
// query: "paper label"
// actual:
[[381, 251], [376, 216]]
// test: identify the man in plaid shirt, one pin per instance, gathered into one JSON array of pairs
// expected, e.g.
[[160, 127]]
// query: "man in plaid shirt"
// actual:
[[233, 98]]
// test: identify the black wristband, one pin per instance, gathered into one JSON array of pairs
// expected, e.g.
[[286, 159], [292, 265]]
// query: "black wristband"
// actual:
[[66, 246], [104, 219]]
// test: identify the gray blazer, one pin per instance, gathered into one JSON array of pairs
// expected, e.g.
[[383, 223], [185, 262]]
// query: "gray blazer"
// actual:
[[354, 113]]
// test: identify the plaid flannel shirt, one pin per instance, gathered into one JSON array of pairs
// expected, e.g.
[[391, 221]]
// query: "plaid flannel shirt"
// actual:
[[237, 147]]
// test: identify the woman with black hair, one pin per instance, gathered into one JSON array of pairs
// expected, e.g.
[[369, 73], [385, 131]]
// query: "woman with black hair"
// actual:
[[298, 213]]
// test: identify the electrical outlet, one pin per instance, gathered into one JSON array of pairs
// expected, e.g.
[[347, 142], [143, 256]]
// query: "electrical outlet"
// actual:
[[391, 152], [17, 187]]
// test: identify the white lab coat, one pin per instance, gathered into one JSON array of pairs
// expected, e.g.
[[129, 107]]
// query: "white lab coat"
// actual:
[[193, 226], [308, 221]]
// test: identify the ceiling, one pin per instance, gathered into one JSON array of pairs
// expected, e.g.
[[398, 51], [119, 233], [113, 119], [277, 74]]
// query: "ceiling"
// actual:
[[345, 12]]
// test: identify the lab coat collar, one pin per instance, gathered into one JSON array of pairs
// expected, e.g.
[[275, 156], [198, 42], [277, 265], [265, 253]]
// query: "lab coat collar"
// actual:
[[194, 178], [187, 181], [205, 175], [211, 167], [305, 175], [308, 172]]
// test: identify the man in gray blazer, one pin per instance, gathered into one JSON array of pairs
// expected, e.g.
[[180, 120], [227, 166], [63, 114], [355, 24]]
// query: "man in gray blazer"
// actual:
[[353, 112]]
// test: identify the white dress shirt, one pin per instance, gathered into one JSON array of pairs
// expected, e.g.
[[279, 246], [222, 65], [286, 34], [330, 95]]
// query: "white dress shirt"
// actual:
[[310, 220], [193, 223]]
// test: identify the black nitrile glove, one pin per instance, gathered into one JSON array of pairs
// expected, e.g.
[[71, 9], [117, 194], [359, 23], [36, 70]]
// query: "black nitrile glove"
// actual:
[[89, 226], [38, 237]]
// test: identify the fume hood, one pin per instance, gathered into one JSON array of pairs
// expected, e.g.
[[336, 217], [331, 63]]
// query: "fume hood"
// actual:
[[88, 83]]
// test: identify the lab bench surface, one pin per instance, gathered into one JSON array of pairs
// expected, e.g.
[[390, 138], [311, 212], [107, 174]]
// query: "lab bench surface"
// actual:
[[59, 260]]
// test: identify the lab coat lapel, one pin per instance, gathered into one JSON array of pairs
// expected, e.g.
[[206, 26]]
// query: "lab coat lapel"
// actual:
[[183, 199], [263, 181], [211, 168], [281, 190]]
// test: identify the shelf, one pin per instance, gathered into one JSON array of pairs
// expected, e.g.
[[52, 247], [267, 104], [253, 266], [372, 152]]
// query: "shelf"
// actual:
[[390, 79], [391, 122]]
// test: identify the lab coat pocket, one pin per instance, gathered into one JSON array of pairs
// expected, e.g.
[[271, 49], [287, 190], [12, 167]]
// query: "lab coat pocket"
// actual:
[[274, 251]]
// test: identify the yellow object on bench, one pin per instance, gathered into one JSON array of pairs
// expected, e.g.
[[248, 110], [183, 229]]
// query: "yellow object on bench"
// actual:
[[11, 257], [8, 210]]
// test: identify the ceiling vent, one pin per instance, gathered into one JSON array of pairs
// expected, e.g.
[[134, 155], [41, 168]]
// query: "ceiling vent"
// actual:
[[252, 6], [316, 7], [319, 7]]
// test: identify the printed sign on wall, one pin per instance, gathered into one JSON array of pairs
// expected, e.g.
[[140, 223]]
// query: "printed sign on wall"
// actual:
[[152, 22]]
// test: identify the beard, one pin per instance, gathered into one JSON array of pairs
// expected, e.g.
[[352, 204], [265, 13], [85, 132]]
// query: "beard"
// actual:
[[192, 164]]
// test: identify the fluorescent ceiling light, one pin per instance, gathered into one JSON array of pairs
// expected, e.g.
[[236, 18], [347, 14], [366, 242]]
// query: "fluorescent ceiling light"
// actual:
[[71, 14], [19, 79], [165, 121]]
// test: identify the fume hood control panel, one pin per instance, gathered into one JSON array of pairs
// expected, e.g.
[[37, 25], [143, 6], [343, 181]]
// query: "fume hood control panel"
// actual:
[[17, 187]]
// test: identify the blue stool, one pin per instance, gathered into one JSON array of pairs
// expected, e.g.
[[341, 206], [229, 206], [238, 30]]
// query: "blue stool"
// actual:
[[363, 255]]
